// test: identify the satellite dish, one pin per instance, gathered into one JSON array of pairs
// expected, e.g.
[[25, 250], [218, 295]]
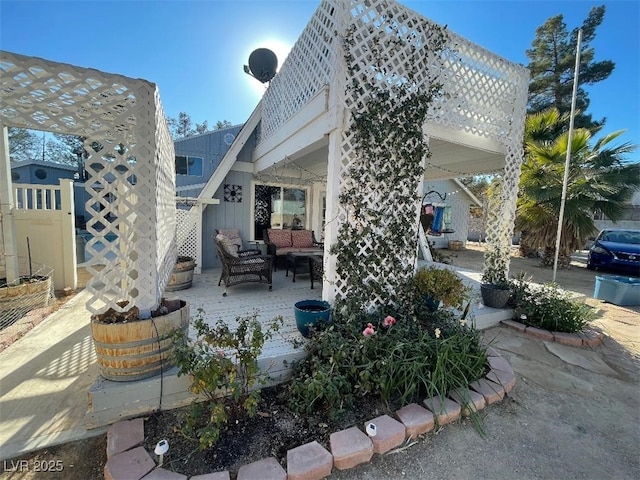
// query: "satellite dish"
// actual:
[[262, 65]]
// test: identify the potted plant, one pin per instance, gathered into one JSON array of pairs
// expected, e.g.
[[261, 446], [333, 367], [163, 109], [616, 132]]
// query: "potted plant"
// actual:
[[129, 347], [311, 313], [17, 299], [495, 289], [182, 275], [440, 286]]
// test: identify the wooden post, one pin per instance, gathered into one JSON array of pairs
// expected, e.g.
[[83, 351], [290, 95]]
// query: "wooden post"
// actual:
[[68, 224], [10, 244]]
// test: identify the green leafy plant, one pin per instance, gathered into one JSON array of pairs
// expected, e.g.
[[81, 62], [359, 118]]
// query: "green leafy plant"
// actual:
[[548, 307], [495, 269], [441, 284], [223, 366], [389, 104], [396, 356]]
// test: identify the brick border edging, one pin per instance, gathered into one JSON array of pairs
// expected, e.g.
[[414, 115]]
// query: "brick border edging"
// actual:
[[349, 447], [585, 338]]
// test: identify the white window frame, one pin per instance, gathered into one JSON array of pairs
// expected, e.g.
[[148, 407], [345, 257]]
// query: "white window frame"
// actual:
[[307, 203], [187, 157]]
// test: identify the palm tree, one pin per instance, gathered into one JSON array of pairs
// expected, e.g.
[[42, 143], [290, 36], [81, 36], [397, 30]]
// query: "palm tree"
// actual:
[[600, 179]]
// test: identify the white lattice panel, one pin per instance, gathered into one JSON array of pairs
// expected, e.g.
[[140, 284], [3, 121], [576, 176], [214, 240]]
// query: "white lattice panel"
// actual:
[[389, 202], [188, 232], [131, 168], [308, 67], [483, 91], [482, 94]]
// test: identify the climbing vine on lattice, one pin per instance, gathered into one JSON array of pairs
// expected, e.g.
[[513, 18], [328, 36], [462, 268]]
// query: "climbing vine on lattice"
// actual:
[[498, 241], [383, 153]]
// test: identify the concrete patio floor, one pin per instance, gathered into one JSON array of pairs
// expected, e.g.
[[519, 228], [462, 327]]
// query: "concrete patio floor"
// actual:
[[51, 391]]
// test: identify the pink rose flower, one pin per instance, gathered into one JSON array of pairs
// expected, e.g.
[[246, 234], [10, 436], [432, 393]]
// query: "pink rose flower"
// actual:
[[388, 321], [367, 332]]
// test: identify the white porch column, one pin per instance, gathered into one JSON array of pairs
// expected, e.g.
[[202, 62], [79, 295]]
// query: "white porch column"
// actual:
[[336, 118], [10, 244], [423, 242], [502, 207], [316, 207], [69, 233], [332, 221]]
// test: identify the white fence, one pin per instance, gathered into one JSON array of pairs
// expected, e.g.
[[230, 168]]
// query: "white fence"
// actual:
[[44, 219]]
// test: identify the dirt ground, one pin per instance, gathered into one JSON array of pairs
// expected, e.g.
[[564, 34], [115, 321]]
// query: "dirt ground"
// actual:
[[576, 279], [618, 322], [574, 413]]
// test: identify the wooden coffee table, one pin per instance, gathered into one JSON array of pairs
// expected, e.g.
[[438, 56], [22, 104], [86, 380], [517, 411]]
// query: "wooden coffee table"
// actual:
[[295, 260]]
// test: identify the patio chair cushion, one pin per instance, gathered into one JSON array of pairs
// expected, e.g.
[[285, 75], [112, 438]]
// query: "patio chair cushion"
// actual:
[[280, 238], [301, 238], [229, 247], [233, 235]]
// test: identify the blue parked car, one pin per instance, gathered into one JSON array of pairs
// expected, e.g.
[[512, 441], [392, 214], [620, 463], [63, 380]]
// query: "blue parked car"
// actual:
[[616, 249]]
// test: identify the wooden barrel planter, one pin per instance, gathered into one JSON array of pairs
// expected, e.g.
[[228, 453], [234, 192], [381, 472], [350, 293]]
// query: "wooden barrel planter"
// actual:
[[182, 276], [137, 349], [16, 300]]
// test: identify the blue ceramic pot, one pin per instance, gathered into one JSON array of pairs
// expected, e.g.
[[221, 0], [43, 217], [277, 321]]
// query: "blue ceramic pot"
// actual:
[[310, 313], [431, 303]]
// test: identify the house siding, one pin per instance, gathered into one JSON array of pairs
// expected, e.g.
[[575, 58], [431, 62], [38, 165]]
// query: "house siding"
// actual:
[[27, 172], [211, 147], [459, 202], [226, 215]]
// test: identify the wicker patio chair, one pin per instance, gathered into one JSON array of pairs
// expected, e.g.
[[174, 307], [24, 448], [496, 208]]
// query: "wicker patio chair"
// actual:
[[233, 234], [238, 269]]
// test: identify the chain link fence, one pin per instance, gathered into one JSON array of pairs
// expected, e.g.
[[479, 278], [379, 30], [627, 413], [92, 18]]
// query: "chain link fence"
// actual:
[[34, 290]]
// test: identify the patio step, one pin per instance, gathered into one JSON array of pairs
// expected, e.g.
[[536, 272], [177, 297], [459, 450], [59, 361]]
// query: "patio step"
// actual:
[[487, 317], [111, 402]]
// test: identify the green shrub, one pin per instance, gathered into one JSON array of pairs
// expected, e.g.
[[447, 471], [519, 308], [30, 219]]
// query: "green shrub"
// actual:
[[441, 284], [223, 366], [548, 307], [398, 358]]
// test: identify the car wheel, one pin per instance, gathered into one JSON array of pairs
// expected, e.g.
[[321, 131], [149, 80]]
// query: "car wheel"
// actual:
[[591, 267]]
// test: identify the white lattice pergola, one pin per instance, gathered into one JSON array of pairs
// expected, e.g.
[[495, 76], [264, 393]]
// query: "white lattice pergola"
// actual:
[[484, 100], [131, 169], [131, 163]]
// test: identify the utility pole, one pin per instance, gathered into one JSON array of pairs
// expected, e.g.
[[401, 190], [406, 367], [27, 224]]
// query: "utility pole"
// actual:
[[567, 162]]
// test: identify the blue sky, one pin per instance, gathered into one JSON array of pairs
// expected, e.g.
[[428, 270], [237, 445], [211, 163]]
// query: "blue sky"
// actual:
[[195, 50]]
